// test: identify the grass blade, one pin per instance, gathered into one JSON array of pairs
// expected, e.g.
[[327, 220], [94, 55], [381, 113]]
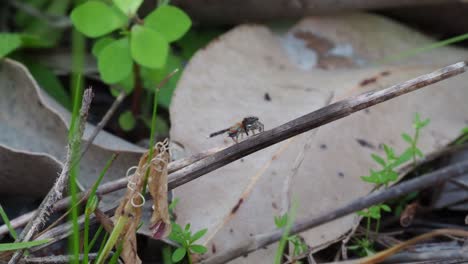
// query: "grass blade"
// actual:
[[7, 223]]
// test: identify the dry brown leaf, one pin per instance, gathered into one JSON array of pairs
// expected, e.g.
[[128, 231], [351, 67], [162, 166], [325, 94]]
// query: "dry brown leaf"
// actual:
[[33, 124], [132, 204], [322, 168], [160, 223]]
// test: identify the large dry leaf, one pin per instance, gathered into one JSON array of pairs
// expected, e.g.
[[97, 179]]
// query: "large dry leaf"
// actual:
[[32, 123], [281, 76]]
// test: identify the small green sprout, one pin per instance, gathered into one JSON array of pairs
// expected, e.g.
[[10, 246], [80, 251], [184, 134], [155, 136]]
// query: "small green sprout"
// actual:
[[386, 175], [186, 241], [363, 246], [299, 246]]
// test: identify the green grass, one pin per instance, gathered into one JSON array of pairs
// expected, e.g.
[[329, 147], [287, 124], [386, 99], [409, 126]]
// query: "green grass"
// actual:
[[8, 224], [426, 48], [291, 216], [91, 206], [74, 142], [22, 245]]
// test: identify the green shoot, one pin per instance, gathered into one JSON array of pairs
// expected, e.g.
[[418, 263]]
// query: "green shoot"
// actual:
[[7, 223], [114, 236], [186, 241], [96, 236], [418, 124], [463, 138], [286, 221], [115, 257], [386, 175], [22, 245], [74, 141], [426, 48], [103, 244], [363, 246], [91, 206]]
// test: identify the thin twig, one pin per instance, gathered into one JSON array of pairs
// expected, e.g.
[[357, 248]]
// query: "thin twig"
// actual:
[[308, 122], [438, 255], [103, 122], [57, 259], [56, 192], [396, 191]]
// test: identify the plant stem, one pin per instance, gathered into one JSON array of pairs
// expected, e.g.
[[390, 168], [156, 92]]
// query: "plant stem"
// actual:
[[377, 226], [368, 227], [112, 239], [8, 224], [414, 144], [137, 91]]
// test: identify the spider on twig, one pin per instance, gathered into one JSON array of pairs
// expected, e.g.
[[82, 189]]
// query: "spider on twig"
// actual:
[[248, 124]]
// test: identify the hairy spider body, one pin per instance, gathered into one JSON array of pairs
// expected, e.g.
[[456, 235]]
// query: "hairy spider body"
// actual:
[[248, 124]]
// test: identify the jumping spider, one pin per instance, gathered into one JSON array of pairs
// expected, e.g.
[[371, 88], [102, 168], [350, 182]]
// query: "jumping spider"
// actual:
[[248, 124]]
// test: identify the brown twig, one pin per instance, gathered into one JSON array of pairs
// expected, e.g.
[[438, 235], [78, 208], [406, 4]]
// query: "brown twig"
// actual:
[[103, 122], [308, 122], [436, 256], [106, 188], [379, 257], [396, 191], [56, 192], [56, 259]]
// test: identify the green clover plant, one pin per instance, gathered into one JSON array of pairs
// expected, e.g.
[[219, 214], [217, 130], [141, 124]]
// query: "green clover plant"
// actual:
[[132, 52]]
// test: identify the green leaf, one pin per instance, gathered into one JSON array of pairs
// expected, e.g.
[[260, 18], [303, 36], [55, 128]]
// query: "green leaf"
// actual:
[[419, 152], [173, 203], [126, 121], [389, 152], [128, 7], [378, 159], [114, 61], [48, 81], [8, 43], [95, 19], [21, 245], [198, 235], [386, 208], [280, 221], [100, 44], [404, 157], [369, 251], [178, 254], [198, 249], [424, 123], [148, 47], [170, 21], [407, 138], [464, 130]]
